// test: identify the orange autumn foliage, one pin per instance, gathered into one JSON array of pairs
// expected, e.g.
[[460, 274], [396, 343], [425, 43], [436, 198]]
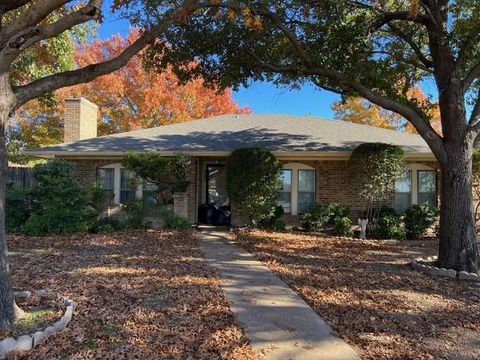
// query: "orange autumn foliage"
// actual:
[[129, 99], [361, 111]]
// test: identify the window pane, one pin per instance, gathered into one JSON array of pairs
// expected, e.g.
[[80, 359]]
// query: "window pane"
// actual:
[[306, 189], [427, 181], [105, 178], [403, 193], [127, 186], [404, 185], [217, 185], [427, 187], [285, 196]]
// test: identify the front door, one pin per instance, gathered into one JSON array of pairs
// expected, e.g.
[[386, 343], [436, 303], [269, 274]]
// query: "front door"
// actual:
[[216, 211]]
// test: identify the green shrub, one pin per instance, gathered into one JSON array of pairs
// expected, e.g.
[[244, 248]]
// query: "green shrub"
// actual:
[[343, 226], [389, 226], [274, 222], [58, 204], [253, 183], [107, 225], [17, 208], [135, 213], [373, 169], [418, 219], [173, 221], [318, 217]]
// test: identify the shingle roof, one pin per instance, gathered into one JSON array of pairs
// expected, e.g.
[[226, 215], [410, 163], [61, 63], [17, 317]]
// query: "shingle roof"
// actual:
[[228, 132]]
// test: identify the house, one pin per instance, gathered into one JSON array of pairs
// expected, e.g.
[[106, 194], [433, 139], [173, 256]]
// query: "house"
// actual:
[[313, 153]]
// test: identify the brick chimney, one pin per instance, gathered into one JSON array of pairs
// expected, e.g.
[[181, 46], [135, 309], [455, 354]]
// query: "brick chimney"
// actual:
[[80, 119]]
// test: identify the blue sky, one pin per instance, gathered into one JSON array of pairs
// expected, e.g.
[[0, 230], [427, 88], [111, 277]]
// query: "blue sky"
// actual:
[[262, 98]]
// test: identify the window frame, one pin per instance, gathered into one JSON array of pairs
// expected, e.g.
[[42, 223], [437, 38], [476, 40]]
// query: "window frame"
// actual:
[[314, 192], [415, 168], [289, 192], [434, 193], [295, 167]]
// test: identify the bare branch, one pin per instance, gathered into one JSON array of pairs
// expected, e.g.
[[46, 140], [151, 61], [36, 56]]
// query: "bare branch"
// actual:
[[69, 78]]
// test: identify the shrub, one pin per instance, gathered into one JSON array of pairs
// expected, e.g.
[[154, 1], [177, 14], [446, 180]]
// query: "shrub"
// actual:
[[253, 183], [389, 226], [167, 174], [274, 222], [318, 217], [135, 213], [58, 205], [418, 219], [343, 226], [173, 221], [17, 208], [374, 168]]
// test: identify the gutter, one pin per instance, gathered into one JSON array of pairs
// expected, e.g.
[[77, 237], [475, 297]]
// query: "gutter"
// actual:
[[283, 155]]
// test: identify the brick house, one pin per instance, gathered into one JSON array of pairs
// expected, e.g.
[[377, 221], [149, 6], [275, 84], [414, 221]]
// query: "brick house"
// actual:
[[313, 153]]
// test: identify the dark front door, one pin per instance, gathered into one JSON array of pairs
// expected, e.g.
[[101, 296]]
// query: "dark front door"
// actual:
[[216, 211]]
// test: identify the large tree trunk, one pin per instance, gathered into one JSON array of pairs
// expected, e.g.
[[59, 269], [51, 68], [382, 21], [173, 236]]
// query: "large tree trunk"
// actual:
[[7, 305], [458, 248]]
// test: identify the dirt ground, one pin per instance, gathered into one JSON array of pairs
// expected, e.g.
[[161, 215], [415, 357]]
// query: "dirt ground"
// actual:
[[140, 295], [370, 296]]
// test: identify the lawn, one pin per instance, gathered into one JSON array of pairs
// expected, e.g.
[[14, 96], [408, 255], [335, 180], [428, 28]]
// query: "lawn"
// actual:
[[142, 295], [369, 295]]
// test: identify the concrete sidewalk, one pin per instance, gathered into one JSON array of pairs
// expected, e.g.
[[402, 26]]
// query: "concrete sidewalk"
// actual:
[[280, 325]]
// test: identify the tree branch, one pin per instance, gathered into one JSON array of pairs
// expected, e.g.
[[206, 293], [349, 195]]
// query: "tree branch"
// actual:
[[30, 18], [12, 5], [86, 13], [471, 76], [416, 49], [69, 78], [475, 115], [387, 17]]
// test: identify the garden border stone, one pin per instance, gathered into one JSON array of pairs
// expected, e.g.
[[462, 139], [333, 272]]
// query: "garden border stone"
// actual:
[[422, 265], [10, 346]]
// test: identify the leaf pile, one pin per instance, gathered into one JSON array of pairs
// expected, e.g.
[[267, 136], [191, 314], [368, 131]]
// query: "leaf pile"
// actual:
[[367, 292], [140, 295]]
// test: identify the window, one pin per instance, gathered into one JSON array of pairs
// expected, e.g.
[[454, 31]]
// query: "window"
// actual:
[[105, 178], [403, 193], [217, 186], [306, 189], [127, 186], [285, 196], [150, 195], [427, 187]]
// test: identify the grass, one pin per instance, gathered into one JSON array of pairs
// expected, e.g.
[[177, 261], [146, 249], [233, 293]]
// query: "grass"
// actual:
[[33, 321]]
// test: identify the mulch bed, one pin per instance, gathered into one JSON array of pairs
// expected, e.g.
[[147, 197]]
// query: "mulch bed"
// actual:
[[371, 297], [140, 295]]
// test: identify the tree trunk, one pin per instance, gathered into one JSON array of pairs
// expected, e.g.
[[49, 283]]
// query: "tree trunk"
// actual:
[[7, 305], [458, 248]]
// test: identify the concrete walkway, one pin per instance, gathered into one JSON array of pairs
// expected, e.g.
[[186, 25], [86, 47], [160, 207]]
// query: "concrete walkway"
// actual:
[[279, 323]]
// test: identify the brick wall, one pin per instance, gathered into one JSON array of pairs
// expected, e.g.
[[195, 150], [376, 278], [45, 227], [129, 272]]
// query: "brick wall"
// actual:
[[80, 119], [332, 183]]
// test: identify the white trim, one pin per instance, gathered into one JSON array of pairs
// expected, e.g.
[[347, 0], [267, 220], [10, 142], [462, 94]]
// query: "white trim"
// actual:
[[414, 168], [294, 167], [117, 182]]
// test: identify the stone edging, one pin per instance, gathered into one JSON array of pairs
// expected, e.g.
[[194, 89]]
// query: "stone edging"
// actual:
[[421, 264], [10, 346]]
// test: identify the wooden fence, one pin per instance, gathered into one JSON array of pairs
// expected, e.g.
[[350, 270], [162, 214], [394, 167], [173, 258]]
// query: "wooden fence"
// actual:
[[22, 176]]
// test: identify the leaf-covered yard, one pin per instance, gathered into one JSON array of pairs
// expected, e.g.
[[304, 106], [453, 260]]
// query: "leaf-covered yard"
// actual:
[[140, 295], [366, 291]]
